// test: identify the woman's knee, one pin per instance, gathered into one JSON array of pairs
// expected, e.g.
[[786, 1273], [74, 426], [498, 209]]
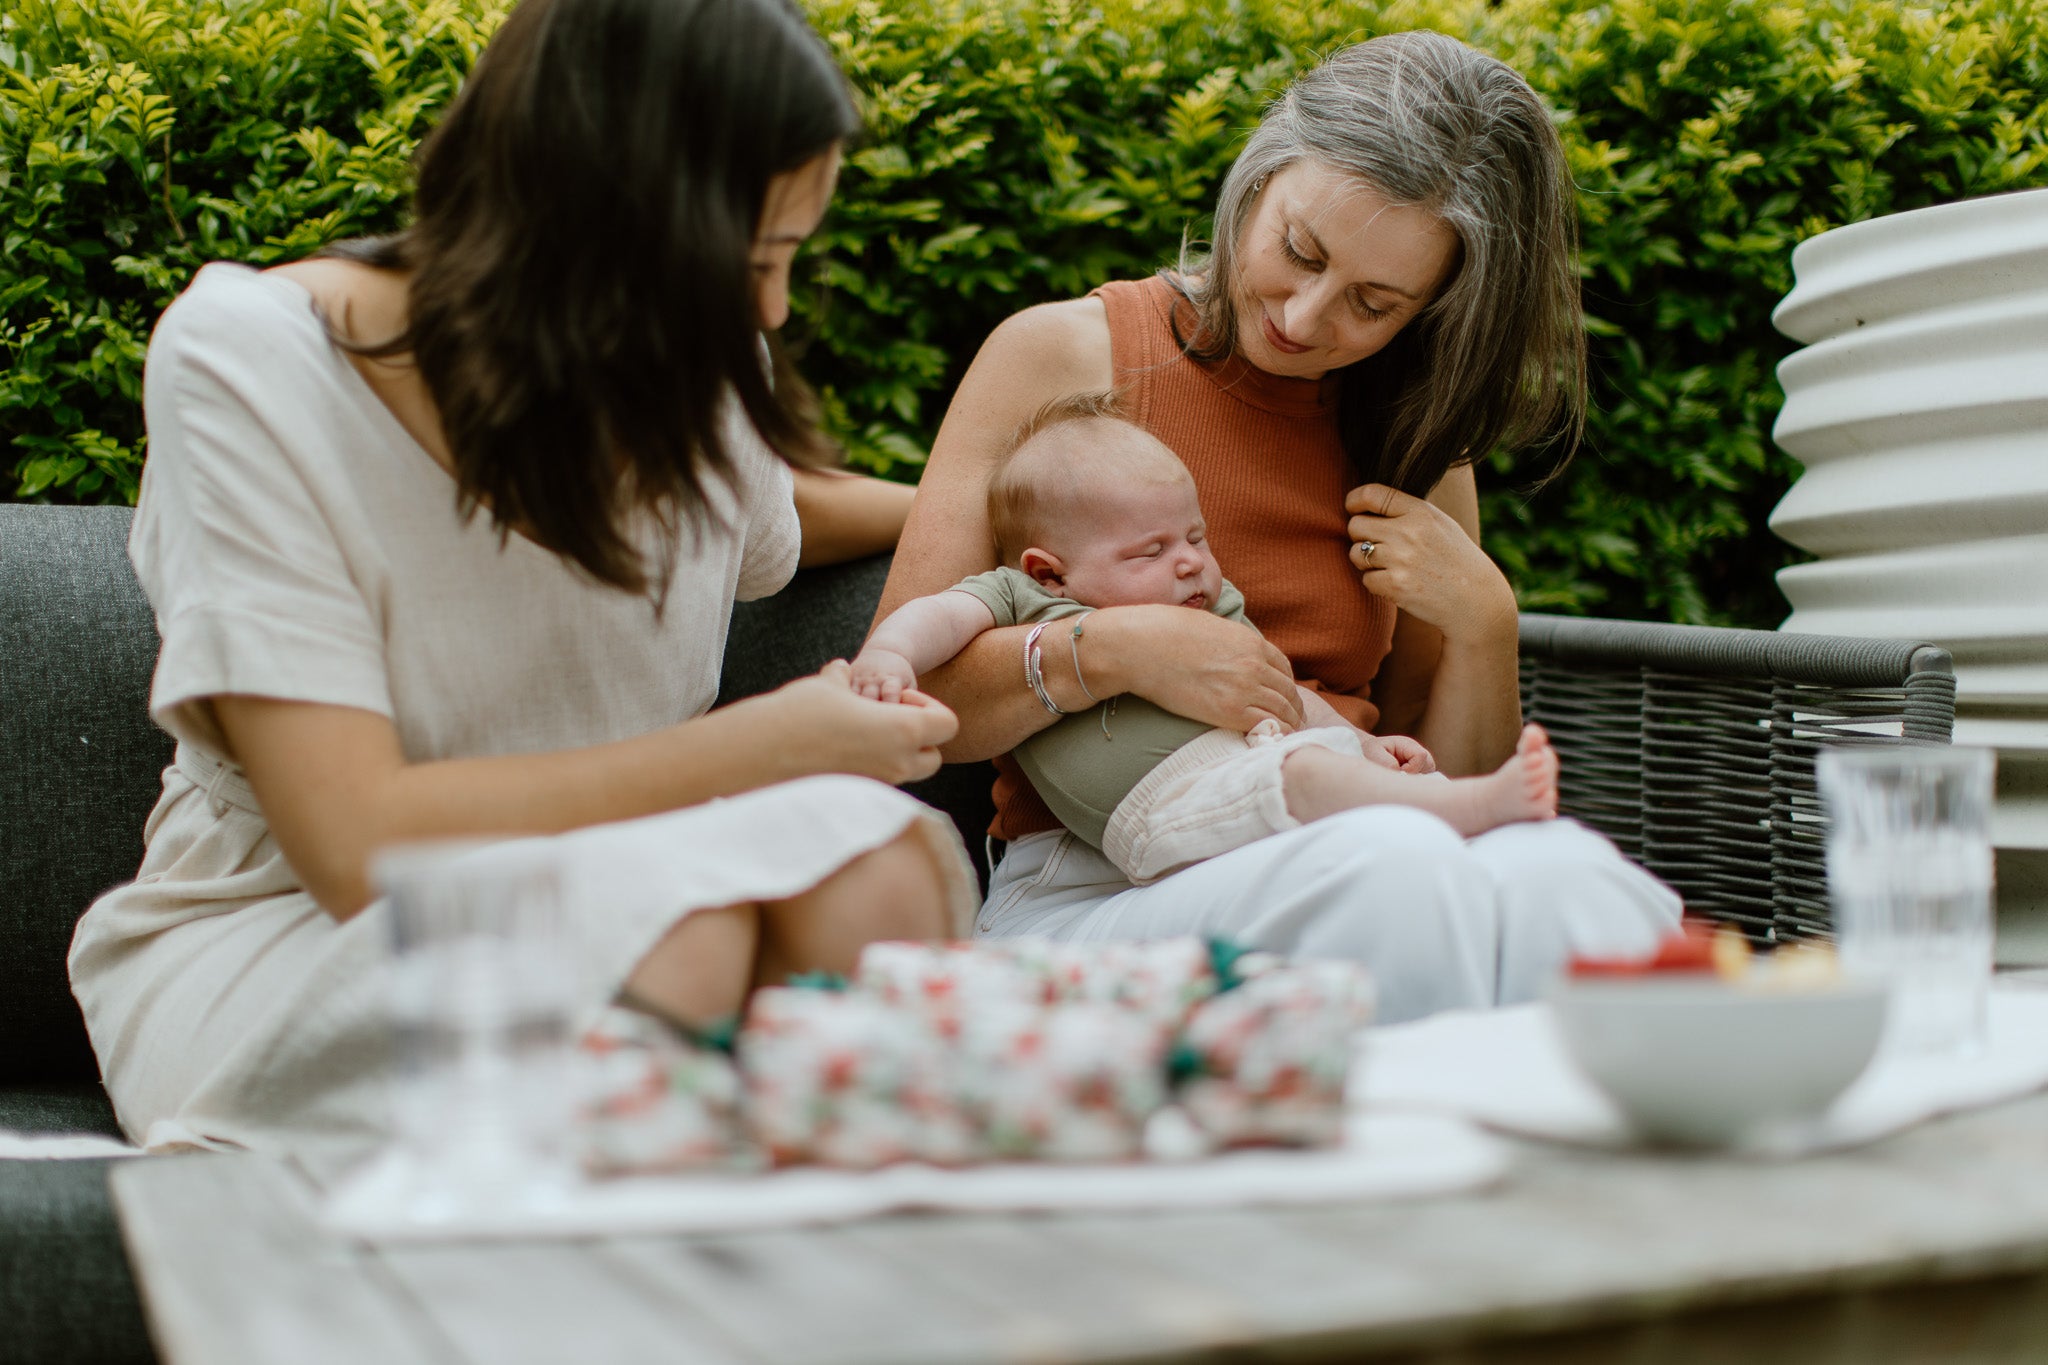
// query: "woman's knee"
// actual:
[[1395, 843], [1566, 891], [1546, 867], [1396, 889], [1380, 822], [1562, 845], [899, 890], [699, 972]]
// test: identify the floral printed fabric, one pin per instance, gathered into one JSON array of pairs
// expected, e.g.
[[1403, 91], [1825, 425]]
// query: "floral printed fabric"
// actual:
[[1012, 1050]]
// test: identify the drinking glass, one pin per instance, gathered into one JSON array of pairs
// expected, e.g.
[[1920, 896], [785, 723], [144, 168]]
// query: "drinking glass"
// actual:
[[1909, 876], [482, 992]]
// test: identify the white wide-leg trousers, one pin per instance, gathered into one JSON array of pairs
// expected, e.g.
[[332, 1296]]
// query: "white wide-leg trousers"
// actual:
[[1444, 922]]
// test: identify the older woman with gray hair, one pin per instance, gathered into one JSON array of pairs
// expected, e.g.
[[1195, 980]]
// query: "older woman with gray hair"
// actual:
[[1391, 293]]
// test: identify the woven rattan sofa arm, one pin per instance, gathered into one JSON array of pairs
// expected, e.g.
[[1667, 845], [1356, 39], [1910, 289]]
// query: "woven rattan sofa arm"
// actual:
[[1716, 651], [1693, 747]]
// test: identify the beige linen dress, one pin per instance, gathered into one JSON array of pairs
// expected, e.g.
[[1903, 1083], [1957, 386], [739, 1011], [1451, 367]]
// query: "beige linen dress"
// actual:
[[295, 542]]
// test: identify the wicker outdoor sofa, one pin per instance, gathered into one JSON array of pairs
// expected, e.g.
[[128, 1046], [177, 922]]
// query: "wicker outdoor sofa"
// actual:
[[1693, 748]]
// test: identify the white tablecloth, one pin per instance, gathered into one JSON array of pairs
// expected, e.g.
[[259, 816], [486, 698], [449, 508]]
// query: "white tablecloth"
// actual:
[[1385, 1157]]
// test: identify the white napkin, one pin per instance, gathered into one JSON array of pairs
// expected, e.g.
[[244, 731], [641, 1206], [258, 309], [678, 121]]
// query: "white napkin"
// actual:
[[1508, 1069], [1385, 1157]]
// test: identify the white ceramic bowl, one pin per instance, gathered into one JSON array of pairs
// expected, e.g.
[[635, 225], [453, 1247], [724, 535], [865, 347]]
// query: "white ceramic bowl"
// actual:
[[1695, 1060]]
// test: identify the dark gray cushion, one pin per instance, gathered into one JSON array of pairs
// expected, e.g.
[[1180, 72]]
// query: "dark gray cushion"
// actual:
[[74, 1107], [66, 1295], [80, 762], [822, 615]]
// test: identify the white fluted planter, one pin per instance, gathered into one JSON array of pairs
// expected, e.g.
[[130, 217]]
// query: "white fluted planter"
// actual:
[[1919, 407]]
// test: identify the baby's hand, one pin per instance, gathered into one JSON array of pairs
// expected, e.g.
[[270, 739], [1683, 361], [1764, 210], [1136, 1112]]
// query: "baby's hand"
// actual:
[[882, 675], [1402, 752]]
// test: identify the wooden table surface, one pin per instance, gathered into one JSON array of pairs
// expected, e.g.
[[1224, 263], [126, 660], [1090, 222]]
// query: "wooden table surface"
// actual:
[[1930, 1246]]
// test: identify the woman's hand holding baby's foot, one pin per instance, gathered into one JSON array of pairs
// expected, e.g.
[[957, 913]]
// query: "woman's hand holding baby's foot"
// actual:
[[882, 675]]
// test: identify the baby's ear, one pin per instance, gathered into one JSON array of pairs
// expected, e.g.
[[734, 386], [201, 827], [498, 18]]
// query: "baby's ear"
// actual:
[[1043, 568]]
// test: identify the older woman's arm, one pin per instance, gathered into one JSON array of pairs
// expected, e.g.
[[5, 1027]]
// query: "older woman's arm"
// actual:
[[1031, 359], [1197, 665], [1450, 679], [847, 516]]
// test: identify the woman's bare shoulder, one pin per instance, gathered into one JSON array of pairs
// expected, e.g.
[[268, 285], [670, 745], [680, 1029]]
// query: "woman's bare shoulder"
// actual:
[[1054, 349], [1034, 357], [1067, 319]]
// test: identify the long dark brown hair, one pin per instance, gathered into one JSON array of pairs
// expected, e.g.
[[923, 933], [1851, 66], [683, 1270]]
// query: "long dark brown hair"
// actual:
[[581, 302], [1498, 358]]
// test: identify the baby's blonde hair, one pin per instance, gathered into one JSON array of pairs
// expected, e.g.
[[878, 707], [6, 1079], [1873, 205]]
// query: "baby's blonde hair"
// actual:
[[1051, 466]]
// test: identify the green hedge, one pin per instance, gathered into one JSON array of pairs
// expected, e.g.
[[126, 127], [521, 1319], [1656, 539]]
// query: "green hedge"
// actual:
[[1026, 151]]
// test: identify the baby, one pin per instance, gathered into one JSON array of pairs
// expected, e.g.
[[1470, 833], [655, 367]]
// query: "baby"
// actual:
[[1091, 511]]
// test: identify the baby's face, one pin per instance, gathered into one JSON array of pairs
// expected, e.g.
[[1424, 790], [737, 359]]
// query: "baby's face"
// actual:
[[1149, 546]]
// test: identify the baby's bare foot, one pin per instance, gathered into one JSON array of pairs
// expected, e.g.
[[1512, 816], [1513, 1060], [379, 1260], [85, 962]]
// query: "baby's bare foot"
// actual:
[[1320, 782], [1534, 769], [1523, 788]]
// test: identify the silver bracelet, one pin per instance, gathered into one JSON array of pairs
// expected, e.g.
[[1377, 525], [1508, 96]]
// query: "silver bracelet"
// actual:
[[1074, 644], [1034, 669]]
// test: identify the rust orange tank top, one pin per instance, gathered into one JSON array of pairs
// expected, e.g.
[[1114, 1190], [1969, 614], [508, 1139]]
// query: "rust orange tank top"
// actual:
[[1272, 479]]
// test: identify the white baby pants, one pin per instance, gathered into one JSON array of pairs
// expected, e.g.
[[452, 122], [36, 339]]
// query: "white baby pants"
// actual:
[[1443, 922], [1217, 792]]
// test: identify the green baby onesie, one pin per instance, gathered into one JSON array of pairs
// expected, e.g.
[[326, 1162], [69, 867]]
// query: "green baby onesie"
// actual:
[[1081, 773]]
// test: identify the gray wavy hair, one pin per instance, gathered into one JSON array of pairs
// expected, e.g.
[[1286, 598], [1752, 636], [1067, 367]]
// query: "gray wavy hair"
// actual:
[[1498, 358]]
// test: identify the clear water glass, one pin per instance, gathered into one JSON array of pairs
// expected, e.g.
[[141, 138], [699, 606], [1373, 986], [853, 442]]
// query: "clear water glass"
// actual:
[[482, 992], [1909, 877]]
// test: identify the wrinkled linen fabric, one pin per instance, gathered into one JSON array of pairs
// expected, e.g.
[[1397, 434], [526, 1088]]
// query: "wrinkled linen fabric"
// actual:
[[296, 542]]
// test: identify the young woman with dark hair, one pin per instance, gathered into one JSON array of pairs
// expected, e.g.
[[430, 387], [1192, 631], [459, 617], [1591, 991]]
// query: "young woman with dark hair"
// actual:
[[1392, 293], [443, 532]]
